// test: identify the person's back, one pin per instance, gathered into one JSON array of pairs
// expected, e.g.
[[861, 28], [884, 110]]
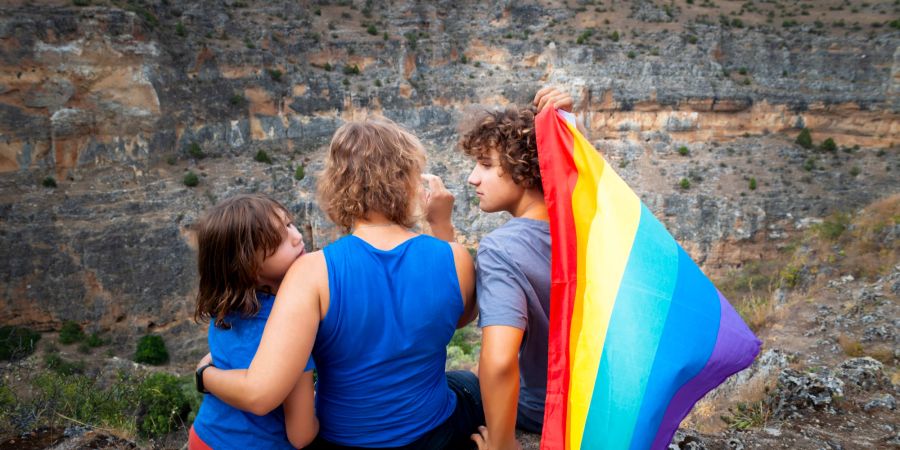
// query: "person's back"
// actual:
[[513, 288], [382, 343], [233, 347]]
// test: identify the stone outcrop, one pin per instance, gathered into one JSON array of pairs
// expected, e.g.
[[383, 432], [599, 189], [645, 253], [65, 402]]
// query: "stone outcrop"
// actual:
[[111, 101]]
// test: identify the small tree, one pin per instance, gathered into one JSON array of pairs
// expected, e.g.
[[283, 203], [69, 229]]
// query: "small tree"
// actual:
[[191, 179], [70, 333], [151, 349], [300, 173], [829, 145], [263, 157], [195, 151], [49, 182], [685, 184], [804, 139], [275, 74], [683, 151], [752, 184]]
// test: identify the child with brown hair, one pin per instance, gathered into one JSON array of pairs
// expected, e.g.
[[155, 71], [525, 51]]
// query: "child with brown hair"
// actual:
[[246, 245]]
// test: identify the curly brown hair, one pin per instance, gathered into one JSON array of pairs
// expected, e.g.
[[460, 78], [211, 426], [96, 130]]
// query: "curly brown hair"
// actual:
[[373, 165], [509, 131], [233, 239]]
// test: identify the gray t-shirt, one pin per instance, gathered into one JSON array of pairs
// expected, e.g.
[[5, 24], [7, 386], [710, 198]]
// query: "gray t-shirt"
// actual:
[[513, 287]]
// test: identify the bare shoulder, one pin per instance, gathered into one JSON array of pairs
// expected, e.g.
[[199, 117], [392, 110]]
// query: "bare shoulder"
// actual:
[[461, 254], [310, 266]]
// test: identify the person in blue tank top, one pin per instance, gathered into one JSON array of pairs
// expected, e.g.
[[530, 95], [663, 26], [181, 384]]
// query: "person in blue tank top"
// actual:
[[246, 245], [375, 308]]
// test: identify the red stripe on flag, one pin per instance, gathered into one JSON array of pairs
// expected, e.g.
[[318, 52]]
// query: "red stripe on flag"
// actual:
[[558, 175]]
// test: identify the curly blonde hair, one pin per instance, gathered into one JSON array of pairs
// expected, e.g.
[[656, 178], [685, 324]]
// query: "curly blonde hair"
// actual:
[[372, 166], [509, 131]]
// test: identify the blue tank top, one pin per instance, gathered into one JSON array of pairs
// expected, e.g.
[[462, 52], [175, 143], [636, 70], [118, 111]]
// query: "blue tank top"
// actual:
[[221, 426], [381, 348]]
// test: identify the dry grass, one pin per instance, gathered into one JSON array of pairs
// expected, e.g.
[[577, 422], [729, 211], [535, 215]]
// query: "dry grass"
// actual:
[[852, 347]]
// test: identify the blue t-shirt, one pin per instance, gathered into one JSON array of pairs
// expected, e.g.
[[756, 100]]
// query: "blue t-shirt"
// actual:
[[224, 427], [381, 348], [513, 287]]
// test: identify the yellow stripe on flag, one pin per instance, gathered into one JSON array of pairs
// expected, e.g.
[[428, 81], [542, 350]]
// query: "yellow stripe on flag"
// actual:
[[605, 235]]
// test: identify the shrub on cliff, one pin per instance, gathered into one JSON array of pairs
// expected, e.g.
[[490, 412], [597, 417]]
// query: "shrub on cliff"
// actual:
[[70, 333], [684, 183], [49, 182], [191, 179], [263, 157], [17, 342], [300, 173], [151, 349], [804, 139], [195, 151], [829, 145], [166, 405], [275, 74]]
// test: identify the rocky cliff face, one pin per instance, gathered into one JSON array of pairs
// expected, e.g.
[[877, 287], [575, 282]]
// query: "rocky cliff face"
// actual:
[[114, 102]]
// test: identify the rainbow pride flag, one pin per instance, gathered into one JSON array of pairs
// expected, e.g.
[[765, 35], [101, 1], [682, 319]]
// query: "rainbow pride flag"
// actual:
[[637, 333]]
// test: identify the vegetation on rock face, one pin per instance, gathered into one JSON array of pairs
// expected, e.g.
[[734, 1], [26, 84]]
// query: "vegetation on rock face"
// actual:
[[684, 184], [195, 151], [191, 179], [828, 145], [300, 172], [130, 404], [804, 139], [263, 157], [17, 342], [151, 349], [70, 333], [49, 182]]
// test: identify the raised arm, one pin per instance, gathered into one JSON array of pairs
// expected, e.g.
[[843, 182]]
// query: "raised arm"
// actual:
[[285, 346], [438, 206]]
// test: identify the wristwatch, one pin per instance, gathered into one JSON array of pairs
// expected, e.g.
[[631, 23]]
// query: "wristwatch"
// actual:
[[198, 378]]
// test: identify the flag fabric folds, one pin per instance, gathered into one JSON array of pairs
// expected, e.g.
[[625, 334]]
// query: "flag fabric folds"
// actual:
[[637, 333]]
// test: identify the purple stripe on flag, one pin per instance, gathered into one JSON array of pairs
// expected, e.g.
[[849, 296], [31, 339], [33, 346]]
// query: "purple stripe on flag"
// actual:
[[734, 338]]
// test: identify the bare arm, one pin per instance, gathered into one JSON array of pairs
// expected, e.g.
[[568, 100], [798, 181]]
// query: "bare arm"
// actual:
[[300, 412], [498, 373], [465, 273], [285, 346]]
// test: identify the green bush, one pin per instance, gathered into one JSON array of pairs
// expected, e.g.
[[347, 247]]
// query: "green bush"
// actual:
[[164, 402], [151, 349], [94, 341], [372, 30], [17, 342], [614, 36], [833, 226], [70, 333], [152, 406], [684, 183], [237, 100], [49, 182], [263, 157], [855, 171], [275, 74], [195, 151], [63, 366], [180, 30], [300, 172], [191, 179], [632, 54], [829, 145], [809, 164], [752, 184], [351, 70], [804, 139], [683, 151]]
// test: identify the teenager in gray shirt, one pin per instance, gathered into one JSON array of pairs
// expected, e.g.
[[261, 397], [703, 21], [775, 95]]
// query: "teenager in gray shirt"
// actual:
[[513, 267]]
